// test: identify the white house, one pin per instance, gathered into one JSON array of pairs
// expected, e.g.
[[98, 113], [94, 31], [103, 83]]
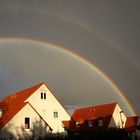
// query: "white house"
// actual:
[[32, 112], [96, 117]]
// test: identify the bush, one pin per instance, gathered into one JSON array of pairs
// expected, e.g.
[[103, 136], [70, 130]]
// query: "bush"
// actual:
[[112, 134]]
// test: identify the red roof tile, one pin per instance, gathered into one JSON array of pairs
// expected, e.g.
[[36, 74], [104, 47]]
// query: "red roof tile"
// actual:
[[131, 123], [12, 104]]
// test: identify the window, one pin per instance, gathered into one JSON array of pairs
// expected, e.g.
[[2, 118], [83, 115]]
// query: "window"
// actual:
[[43, 95], [27, 123], [90, 123], [55, 114], [100, 122]]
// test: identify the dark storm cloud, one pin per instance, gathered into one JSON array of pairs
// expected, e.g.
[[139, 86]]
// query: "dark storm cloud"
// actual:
[[77, 25]]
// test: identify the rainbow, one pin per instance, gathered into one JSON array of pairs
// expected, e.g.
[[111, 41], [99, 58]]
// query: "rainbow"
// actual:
[[80, 59]]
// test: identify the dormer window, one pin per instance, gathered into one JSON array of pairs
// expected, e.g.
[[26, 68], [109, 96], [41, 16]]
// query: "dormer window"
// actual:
[[43, 95]]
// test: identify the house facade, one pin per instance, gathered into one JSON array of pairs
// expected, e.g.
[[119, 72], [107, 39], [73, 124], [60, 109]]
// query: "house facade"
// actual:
[[32, 112], [96, 118]]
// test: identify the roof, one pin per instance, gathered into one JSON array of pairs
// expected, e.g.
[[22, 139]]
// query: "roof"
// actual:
[[12, 104], [20, 96], [94, 112], [131, 123]]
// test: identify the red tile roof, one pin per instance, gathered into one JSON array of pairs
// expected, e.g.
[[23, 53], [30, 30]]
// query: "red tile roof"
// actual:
[[12, 104], [94, 112], [131, 123]]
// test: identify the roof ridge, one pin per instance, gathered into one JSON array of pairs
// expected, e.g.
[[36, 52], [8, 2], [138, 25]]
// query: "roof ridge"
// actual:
[[90, 107], [94, 111]]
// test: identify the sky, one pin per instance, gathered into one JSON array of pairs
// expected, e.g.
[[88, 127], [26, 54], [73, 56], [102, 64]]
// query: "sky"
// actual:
[[87, 52]]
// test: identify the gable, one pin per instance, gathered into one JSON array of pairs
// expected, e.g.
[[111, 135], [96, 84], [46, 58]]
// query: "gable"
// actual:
[[49, 108], [49, 102]]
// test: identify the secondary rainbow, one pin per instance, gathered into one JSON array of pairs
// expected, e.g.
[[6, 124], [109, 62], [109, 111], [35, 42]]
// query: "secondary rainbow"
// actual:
[[79, 24]]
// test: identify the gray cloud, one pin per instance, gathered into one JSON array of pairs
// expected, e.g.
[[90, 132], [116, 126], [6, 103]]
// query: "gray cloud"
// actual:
[[70, 77], [84, 28]]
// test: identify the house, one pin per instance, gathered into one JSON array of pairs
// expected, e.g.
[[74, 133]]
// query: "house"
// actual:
[[132, 126], [96, 117], [131, 123], [32, 112]]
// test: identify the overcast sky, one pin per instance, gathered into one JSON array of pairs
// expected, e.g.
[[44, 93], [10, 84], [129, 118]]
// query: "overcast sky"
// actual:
[[105, 33]]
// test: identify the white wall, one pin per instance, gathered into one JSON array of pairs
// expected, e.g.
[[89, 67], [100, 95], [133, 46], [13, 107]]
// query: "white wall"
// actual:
[[47, 106], [15, 128], [118, 118]]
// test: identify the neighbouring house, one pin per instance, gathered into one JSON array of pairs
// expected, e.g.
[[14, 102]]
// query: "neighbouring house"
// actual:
[[132, 126], [96, 118], [32, 112], [131, 123]]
